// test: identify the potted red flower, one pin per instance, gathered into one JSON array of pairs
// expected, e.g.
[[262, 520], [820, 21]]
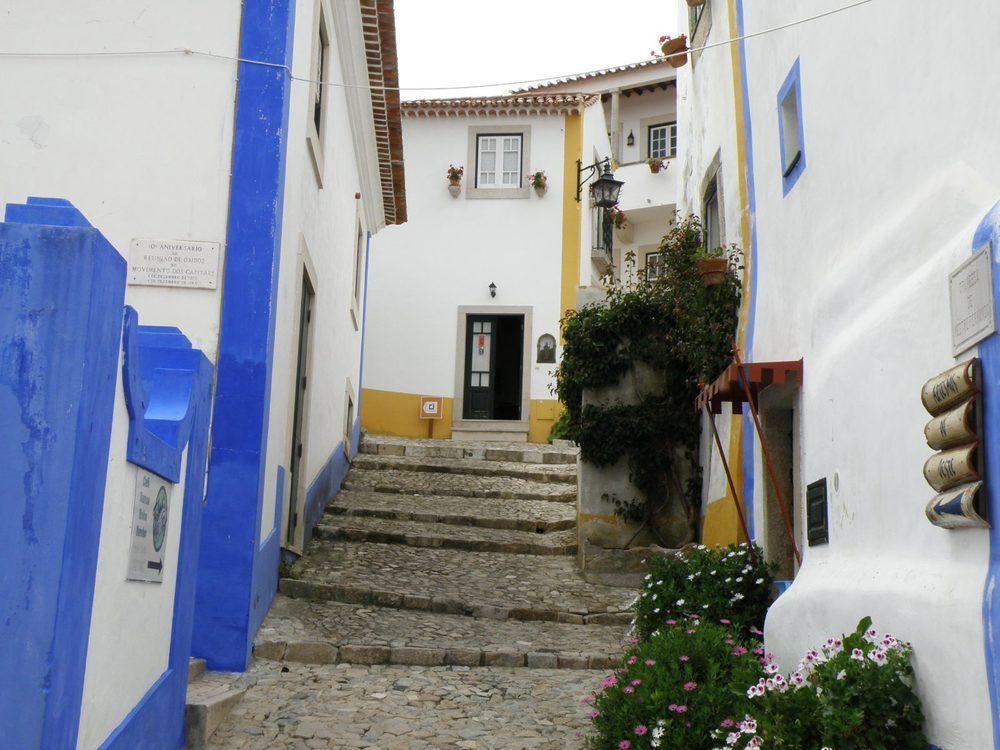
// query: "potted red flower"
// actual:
[[455, 180], [538, 181], [674, 48], [655, 164]]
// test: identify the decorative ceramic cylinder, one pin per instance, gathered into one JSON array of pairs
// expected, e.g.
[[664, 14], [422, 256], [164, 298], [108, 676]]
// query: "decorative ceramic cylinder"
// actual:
[[454, 188]]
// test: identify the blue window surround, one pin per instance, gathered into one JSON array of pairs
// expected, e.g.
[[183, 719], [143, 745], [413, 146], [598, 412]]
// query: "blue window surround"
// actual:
[[792, 81], [988, 233], [233, 586]]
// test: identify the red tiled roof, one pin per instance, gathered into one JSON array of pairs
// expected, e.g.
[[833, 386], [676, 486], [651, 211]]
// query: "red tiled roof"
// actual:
[[657, 61], [509, 104]]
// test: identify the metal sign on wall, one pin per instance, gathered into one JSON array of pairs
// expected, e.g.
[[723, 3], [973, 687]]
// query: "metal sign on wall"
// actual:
[[150, 511], [970, 292], [955, 472]]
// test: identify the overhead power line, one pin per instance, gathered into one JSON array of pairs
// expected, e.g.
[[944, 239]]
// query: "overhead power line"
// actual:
[[466, 87]]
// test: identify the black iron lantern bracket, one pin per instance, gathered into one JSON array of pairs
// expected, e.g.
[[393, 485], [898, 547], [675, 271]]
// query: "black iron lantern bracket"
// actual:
[[584, 174]]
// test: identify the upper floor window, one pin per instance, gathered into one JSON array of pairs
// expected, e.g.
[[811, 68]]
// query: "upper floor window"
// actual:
[[498, 160], [318, 94], [790, 131], [661, 140], [711, 216]]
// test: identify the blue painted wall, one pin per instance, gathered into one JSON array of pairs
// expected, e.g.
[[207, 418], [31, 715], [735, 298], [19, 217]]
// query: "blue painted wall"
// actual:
[[62, 290], [231, 526], [169, 397], [988, 233]]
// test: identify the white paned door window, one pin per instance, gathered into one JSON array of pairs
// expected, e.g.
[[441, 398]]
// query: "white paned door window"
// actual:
[[499, 161], [663, 140]]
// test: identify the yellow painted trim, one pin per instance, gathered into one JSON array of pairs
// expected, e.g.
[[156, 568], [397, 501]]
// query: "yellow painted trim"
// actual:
[[572, 151], [391, 413], [720, 523], [544, 413]]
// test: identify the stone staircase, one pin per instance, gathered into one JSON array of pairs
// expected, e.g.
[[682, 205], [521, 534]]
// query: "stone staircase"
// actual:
[[438, 553], [211, 697]]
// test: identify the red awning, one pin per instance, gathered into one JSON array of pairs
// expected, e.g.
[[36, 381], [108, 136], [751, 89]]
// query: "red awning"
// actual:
[[728, 388]]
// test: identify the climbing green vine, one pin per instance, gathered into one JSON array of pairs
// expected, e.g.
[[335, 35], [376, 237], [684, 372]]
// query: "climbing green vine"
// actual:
[[681, 332]]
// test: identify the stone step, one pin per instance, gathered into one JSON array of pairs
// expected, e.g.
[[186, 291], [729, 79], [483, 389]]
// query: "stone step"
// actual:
[[320, 632], [210, 699], [478, 584], [565, 473], [487, 513], [414, 483], [196, 668], [532, 453], [445, 536]]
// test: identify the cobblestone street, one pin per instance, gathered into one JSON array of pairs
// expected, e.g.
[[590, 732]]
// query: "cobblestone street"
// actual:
[[437, 606]]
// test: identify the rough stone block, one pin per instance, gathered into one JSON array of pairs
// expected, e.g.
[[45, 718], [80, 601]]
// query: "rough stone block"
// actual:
[[504, 658], [489, 612], [463, 657], [601, 661], [418, 657], [311, 652], [273, 650], [360, 654], [537, 660], [417, 601], [572, 661], [569, 618]]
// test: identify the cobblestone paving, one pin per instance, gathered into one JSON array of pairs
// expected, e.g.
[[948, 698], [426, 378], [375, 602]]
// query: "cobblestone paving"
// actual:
[[409, 708], [416, 534], [301, 620], [475, 578], [410, 482], [428, 612], [471, 467], [525, 515]]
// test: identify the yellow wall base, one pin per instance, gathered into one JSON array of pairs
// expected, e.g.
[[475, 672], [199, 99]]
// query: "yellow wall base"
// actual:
[[721, 524], [392, 413]]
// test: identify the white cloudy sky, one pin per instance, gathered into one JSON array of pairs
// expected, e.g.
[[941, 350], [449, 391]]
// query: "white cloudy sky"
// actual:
[[464, 42]]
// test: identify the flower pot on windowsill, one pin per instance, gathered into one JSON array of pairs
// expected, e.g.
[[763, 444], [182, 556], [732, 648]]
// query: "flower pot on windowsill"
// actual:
[[655, 166], [712, 270], [454, 187], [695, 3], [675, 46]]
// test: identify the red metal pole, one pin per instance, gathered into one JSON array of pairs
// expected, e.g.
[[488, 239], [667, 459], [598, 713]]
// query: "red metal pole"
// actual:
[[729, 478], [785, 515]]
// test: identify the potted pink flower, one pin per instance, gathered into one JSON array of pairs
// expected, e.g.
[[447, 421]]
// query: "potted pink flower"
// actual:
[[655, 164], [674, 48], [455, 180], [539, 182]]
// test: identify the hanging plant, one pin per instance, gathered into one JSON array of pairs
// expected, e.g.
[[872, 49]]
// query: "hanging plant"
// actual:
[[455, 180], [538, 181], [655, 164], [674, 49], [618, 218]]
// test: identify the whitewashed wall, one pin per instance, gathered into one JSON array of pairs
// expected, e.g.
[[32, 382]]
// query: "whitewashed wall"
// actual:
[[319, 222], [141, 145], [450, 250]]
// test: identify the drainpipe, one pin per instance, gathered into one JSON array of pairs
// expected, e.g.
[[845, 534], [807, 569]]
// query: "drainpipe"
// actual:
[[616, 126]]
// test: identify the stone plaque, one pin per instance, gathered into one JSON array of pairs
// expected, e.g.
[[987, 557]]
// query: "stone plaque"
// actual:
[[951, 468], [971, 293], [150, 511], [955, 427], [180, 263]]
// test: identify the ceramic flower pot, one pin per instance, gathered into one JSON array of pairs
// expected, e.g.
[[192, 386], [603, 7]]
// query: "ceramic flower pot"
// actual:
[[695, 3], [454, 187], [540, 190], [712, 270], [671, 49], [655, 167]]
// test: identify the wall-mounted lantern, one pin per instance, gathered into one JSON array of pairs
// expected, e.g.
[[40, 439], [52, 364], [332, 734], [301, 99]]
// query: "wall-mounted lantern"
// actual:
[[630, 141], [493, 289], [605, 189]]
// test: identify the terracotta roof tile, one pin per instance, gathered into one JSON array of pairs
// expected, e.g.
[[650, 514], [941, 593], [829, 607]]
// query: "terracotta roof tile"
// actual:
[[508, 104]]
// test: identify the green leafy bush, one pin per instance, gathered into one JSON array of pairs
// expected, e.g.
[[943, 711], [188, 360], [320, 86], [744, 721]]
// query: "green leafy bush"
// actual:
[[564, 428], [720, 583], [855, 693], [672, 689], [680, 329]]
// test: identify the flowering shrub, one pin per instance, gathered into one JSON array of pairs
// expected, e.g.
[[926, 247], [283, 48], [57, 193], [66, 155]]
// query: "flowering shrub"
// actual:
[[855, 693], [618, 218], [728, 583], [671, 690], [455, 173], [537, 179]]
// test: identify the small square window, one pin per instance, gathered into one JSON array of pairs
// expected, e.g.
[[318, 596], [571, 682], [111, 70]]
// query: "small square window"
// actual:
[[498, 160], [661, 141], [790, 131]]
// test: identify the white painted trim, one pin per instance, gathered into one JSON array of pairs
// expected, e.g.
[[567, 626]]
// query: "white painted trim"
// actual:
[[471, 191], [353, 63]]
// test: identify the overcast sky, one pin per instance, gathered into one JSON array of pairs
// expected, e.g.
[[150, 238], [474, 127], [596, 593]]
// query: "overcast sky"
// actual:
[[463, 42]]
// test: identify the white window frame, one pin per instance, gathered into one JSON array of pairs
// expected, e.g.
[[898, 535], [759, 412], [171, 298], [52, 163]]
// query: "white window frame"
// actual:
[[515, 188], [670, 140], [501, 146], [319, 68], [357, 278]]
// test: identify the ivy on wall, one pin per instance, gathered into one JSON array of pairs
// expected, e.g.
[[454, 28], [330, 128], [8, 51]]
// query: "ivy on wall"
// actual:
[[682, 331]]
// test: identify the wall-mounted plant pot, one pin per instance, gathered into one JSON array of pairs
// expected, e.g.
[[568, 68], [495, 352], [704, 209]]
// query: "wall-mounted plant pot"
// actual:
[[655, 166], [695, 3], [712, 270], [454, 188], [673, 46], [540, 191]]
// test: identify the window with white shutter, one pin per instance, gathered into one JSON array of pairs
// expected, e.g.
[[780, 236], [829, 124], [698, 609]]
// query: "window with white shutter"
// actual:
[[662, 140]]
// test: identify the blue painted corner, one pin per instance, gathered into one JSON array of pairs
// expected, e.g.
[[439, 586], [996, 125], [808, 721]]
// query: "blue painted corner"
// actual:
[[988, 233], [792, 85], [231, 530], [62, 288], [176, 381], [267, 561]]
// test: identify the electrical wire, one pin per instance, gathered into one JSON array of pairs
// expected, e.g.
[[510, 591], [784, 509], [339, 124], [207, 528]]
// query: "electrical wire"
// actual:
[[468, 87]]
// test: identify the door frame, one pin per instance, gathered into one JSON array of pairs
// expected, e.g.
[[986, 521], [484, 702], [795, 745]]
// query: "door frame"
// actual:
[[464, 311], [304, 271]]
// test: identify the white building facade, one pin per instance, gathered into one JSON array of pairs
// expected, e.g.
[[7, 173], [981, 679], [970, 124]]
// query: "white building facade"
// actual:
[[813, 151]]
